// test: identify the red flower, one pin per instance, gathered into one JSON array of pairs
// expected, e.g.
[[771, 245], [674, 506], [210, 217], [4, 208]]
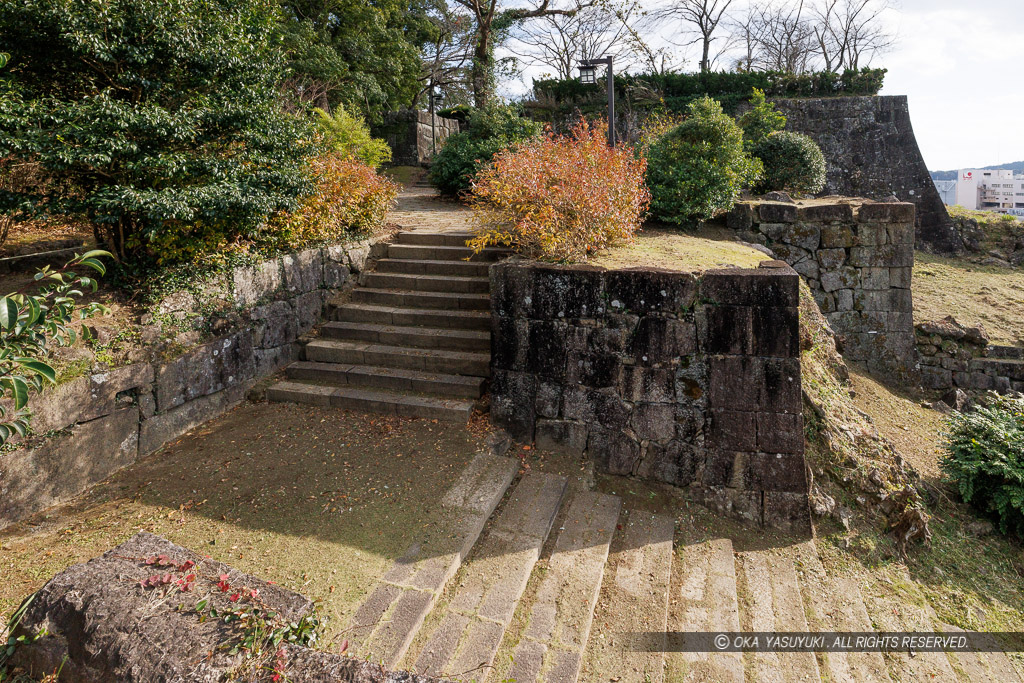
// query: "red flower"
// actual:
[[234, 597]]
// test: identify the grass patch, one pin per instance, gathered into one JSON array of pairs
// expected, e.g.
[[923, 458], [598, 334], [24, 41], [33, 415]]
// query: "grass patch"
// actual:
[[973, 294], [319, 501], [655, 247]]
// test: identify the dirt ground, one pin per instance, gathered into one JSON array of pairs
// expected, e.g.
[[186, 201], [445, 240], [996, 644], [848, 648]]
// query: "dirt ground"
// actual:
[[318, 500]]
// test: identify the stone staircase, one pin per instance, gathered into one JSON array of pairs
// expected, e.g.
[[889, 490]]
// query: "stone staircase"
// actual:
[[537, 580], [412, 339]]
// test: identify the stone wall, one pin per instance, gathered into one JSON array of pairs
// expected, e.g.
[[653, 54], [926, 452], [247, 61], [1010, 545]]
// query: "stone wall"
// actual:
[[953, 355], [97, 424], [408, 134], [688, 379], [857, 258], [870, 151]]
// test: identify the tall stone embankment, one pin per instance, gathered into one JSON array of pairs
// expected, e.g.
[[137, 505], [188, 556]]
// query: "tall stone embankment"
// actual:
[[857, 259], [692, 379], [871, 151]]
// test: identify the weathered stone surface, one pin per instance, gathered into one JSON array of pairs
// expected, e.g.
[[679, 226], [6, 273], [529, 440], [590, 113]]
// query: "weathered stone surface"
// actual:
[[303, 271], [645, 290], [304, 664], [102, 625], [206, 369], [171, 423], [252, 284], [37, 476], [772, 212], [870, 151]]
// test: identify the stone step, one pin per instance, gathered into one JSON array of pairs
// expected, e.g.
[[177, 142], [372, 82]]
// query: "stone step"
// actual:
[[634, 600], [432, 267], [428, 360], [391, 315], [989, 667], [428, 283], [384, 625], [412, 299], [705, 594], [407, 335], [437, 239], [557, 623], [834, 604], [391, 379], [491, 583], [770, 601], [371, 401], [893, 613], [415, 251]]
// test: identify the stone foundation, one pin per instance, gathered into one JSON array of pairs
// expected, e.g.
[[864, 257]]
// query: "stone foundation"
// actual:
[[857, 258], [953, 355], [408, 133], [97, 424], [688, 379]]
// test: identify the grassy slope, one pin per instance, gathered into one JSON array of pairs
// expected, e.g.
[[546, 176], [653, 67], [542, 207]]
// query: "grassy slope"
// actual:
[[677, 250], [973, 294]]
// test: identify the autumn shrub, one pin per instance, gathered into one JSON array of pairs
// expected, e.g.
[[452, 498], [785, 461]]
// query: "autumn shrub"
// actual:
[[491, 130], [351, 197], [984, 458], [792, 162], [561, 198], [696, 170]]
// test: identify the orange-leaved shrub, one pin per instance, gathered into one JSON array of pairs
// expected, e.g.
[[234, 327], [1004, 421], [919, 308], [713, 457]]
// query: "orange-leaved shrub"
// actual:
[[349, 197], [560, 197]]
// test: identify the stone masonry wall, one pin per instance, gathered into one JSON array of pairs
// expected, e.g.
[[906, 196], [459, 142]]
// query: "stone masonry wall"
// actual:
[[408, 134], [688, 379], [857, 259], [953, 355], [97, 424], [870, 151]]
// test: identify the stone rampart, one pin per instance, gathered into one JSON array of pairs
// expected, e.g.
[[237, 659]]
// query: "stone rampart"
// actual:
[[955, 355], [94, 425], [870, 151], [692, 379], [857, 258], [408, 133]]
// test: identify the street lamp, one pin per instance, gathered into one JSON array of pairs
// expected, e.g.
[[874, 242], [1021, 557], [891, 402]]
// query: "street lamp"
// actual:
[[588, 76], [435, 102]]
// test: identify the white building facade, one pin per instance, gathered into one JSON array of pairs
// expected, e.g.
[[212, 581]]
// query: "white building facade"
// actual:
[[996, 190]]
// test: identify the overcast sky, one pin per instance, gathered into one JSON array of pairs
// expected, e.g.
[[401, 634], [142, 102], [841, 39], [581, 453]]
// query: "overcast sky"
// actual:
[[961, 65]]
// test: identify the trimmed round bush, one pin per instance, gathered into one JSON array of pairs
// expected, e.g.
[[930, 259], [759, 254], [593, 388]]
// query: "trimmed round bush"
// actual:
[[792, 162], [697, 169], [490, 131]]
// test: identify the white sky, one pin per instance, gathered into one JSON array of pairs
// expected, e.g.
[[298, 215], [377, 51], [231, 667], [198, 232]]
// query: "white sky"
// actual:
[[961, 65]]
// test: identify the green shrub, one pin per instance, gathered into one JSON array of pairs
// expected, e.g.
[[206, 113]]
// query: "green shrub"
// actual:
[[697, 169], [984, 459], [490, 131], [163, 115], [792, 162], [349, 136], [760, 121], [30, 323]]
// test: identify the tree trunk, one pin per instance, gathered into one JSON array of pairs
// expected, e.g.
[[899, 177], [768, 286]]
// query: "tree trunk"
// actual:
[[705, 65], [482, 67]]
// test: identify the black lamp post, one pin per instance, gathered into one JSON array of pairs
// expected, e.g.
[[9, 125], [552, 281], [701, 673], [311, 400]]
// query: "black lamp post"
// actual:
[[435, 102], [588, 75]]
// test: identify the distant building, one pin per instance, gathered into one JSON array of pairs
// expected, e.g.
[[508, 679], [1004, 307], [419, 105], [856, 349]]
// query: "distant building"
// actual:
[[947, 191], [996, 190]]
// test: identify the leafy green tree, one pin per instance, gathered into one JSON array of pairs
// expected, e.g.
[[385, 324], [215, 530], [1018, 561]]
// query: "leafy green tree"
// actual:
[[362, 54], [163, 115], [30, 324], [761, 120], [697, 169]]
